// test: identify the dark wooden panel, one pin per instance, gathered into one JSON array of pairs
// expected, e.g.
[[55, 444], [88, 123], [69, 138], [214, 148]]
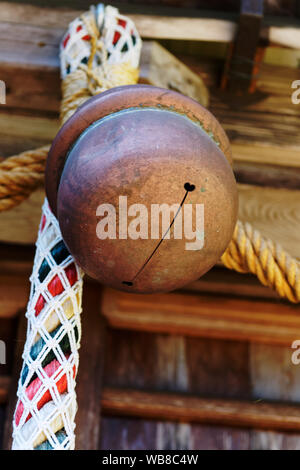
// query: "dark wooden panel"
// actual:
[[218, 368], [204, 437], [89, 380], [2, 421], [8, 335], [17, 365], [141, 434], [169, 362], [127, 434]]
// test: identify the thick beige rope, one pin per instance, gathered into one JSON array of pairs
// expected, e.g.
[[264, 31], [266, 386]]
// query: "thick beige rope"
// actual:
[[248, 252], [20, 175]]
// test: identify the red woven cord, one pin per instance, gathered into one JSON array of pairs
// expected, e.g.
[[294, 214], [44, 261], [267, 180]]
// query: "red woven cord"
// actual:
[[33, 388], [55, 287]]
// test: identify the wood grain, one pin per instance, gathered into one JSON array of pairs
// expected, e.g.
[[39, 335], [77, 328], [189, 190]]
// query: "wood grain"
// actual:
[[275, 212], [5, 382], [122, 433], [164, 362], [161, 68], [17, 365], [203, 316], [273, 375], [89, 379], [14, 291], [211, 27], [186, 408]]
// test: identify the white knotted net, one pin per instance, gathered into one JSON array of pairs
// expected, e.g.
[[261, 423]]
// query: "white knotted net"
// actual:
[[44, 418]]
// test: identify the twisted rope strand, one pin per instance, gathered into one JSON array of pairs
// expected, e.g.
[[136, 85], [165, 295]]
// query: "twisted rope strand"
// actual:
[[248, 251], [20, 175]]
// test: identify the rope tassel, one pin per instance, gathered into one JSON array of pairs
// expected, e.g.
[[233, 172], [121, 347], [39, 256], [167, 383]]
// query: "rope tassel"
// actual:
[[100, 50]]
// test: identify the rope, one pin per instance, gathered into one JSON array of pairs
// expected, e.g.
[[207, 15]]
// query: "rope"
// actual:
[[248, 251], [20, 175], [44, 418]]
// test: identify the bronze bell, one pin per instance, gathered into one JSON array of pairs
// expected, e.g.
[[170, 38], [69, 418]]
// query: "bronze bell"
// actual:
[[140, 179]]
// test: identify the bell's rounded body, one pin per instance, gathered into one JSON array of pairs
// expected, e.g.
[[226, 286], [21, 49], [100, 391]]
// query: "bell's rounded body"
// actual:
[[141, 182]]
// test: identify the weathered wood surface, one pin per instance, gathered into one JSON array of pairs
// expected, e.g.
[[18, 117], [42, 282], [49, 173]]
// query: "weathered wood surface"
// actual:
[[89, 379], [187, 408], [203, 315], [141, 434], [134, 433], [210, 27], [174, 363], [29, 65], [274, 376], [5, 382], [14, 291], [13, 384]]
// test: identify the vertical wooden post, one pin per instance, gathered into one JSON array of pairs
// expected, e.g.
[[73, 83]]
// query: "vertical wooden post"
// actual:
[[245, 55], [89, 386], [17, 365]]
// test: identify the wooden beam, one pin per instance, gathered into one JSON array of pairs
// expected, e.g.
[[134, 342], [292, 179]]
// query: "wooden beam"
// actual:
[[209, 316], [227, 282], [211, 27], [245, 58], [161, 68], [184, 408]]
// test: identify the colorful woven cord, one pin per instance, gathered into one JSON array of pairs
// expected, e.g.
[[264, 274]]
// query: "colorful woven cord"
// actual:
[[100, 50]]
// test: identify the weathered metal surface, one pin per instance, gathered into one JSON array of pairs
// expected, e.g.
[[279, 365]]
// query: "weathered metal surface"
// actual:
[[146, 146]]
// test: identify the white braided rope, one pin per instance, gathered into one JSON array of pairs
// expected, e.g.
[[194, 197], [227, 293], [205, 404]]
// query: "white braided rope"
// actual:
[[119, 36], [53, 314], [46, 406]]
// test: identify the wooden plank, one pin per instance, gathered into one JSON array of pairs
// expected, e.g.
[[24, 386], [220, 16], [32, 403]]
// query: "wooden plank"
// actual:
[[186, 408], [121, 433], [241, 68], [5, 382], [224, 281], [127, 434], [205, 366], [24, 57], [267, 175], [212, 27], [274, 212], [7, 335], [14, 291], [19, 346], [203, 316], [273, 375], [20, 224], [89, 380], [272, 440], [161, 68]]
